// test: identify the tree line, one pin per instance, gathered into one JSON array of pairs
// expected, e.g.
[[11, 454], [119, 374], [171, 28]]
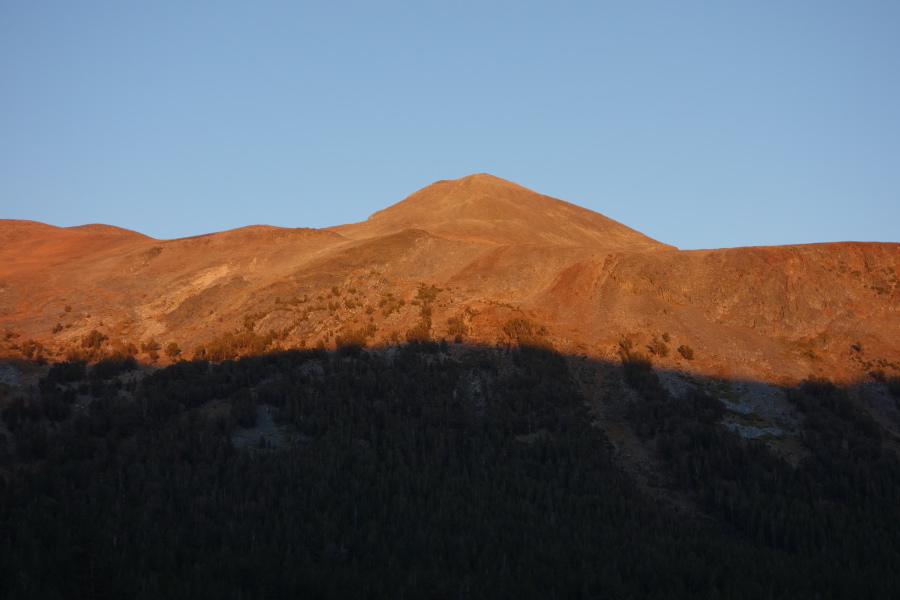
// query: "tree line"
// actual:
[[415, 471]]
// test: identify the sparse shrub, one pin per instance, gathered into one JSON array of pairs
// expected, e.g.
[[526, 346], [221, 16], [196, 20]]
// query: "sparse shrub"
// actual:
[[518, 327], [172, 350], [353, 340], [527, 333], [686, 351], [458, 328], [231, 345], [427, 294], [389, 307], [659, 348], [419, 333], [93, 340], [27, 349], [77, 355]]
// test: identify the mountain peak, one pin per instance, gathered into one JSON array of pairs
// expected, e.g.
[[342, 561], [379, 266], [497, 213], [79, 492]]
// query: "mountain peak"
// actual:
[[488, 209], [486, 179]]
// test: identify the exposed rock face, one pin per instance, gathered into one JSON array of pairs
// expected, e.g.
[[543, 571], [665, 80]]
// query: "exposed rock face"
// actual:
[[498, 252]]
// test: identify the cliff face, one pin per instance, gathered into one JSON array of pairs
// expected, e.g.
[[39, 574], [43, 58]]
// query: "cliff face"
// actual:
[[497, 252]]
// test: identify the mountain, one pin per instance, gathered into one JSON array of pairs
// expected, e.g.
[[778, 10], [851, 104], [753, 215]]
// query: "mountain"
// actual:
[[603, 416], [497, 252]]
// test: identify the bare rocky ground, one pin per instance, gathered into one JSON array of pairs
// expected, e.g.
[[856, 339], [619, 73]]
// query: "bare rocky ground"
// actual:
[[754, 410], [9, 375]]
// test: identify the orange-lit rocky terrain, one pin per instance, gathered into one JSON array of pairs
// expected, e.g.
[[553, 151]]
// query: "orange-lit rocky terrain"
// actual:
[[488, 259]]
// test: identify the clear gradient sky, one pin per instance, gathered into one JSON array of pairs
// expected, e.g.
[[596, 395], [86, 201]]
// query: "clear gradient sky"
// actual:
[[701, 124]]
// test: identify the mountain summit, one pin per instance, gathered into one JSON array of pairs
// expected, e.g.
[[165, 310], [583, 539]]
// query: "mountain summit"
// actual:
[[486, 209]]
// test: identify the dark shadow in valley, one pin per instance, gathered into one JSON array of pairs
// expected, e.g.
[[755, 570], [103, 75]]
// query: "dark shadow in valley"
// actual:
[[436, 470]]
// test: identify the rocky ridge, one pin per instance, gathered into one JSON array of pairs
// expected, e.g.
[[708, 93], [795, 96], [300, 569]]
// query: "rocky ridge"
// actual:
[[495, 260]]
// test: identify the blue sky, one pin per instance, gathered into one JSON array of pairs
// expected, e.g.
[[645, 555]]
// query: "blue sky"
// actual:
[[701, 124]]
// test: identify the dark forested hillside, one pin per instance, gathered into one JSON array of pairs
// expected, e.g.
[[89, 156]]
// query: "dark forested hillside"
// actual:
[[425, 471]]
